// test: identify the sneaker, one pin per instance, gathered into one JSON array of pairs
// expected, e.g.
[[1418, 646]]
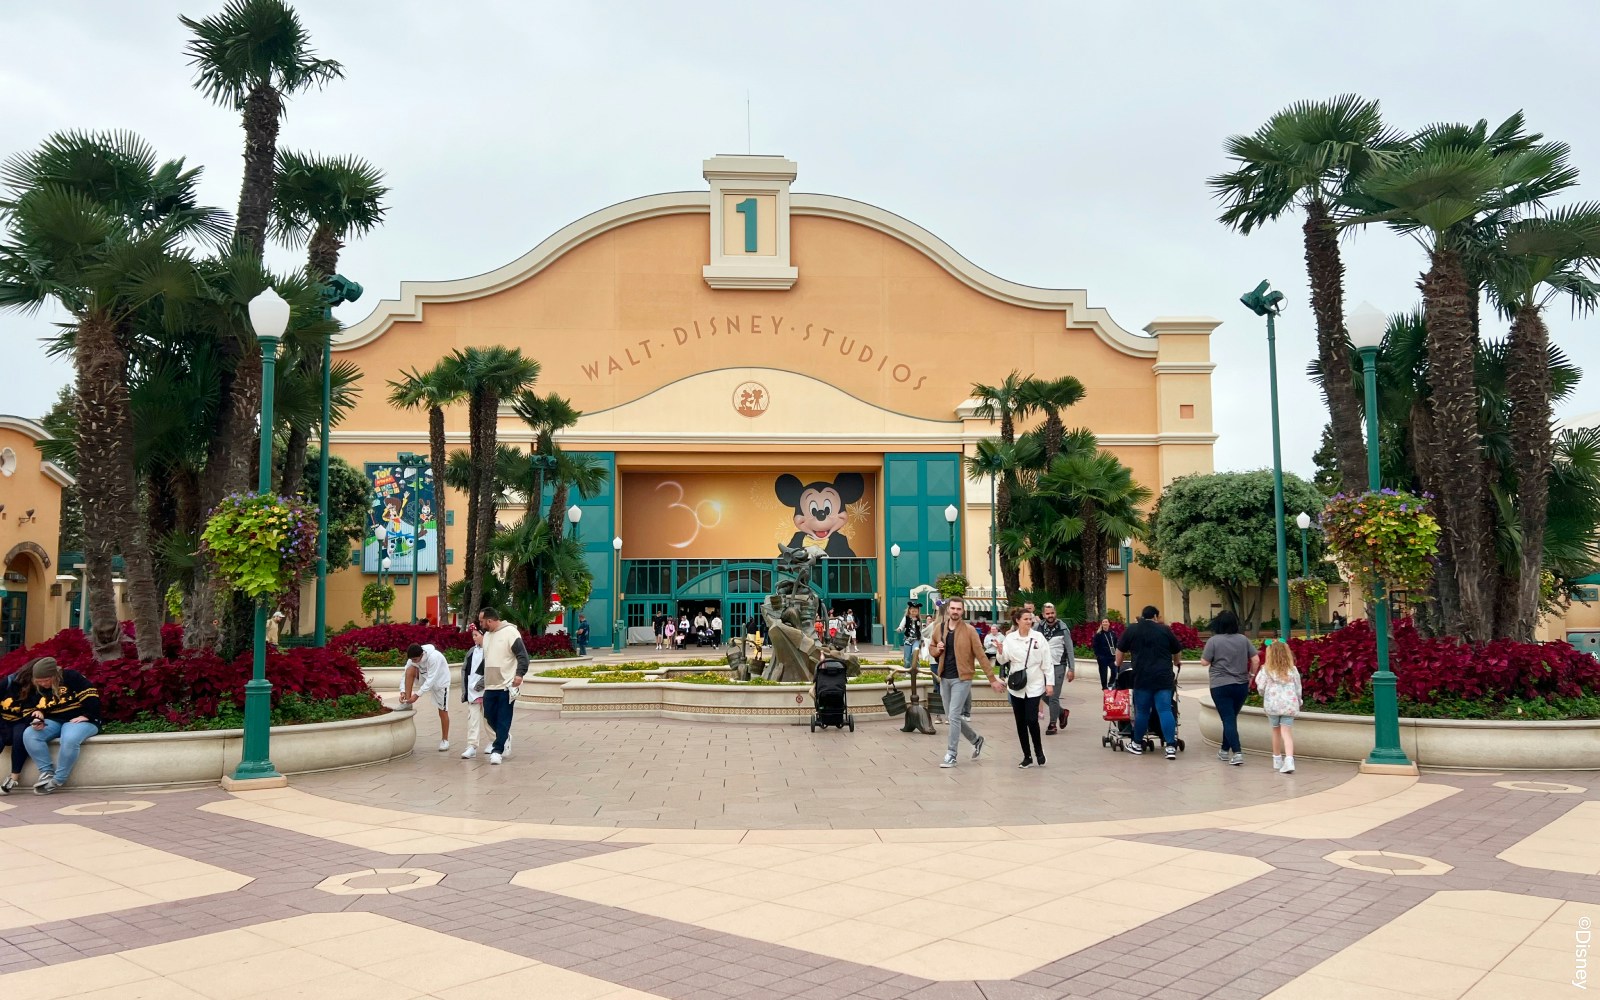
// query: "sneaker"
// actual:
[[1238, 760], [469, 753], [949, 760], [507, 751], [1277, 762], [1222, 755], [495, 758], [1026, 762], [977, 747], [1041, 760], [7, 785], [1133, 746], [444, 745], [1288, 765], [1051, 731], [1172, 752], [45, 785]]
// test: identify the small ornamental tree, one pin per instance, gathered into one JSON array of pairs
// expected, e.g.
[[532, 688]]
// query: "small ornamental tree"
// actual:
[[261, 545], [1389, 535], [377, 600]]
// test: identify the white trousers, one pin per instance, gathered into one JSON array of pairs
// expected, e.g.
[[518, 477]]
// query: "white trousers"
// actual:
[[474, 721]]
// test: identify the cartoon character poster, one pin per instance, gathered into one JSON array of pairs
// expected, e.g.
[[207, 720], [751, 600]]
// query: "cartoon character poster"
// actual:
[[401, 520], [747, 515]]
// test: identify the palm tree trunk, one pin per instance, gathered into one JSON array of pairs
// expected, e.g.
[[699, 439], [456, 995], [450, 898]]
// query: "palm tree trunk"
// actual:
[[1325, 268], [488, 415], [437, 455], [1010, 571], [263, 110], [1452, 348], [557, 518], [1092, 547], [1532, 450], [473, 593]]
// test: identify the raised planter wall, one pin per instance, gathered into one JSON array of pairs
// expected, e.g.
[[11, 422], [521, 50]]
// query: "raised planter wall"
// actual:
[[774, 704], [1470, 744], [139, 760]]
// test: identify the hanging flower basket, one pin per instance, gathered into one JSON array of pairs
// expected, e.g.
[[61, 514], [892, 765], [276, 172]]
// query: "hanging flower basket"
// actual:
[[1389, 536], [1306, 594], [261, 545]]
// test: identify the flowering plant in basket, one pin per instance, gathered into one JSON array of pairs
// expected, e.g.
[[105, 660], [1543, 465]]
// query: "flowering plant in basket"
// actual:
[[1387, 535], [1306, 593], [262, 545]]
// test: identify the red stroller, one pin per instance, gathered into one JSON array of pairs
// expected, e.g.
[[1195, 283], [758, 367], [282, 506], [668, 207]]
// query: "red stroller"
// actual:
[[1119, 713]]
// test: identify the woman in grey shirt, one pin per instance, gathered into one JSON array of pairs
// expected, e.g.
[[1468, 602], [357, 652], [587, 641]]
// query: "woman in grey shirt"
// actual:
[[1232, 662]]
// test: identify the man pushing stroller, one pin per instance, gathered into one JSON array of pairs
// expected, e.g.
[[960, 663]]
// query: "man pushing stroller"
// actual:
[[1155, 651]]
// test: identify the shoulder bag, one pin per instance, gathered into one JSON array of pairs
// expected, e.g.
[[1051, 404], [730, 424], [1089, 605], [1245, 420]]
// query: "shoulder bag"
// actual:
[[1017, 680]]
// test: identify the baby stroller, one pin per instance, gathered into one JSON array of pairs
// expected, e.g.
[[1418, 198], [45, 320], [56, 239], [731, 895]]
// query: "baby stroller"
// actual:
[[832, 708], [1119, 714]]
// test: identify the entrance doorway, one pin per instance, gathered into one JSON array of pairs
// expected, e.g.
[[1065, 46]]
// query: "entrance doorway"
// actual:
[[13, 621]]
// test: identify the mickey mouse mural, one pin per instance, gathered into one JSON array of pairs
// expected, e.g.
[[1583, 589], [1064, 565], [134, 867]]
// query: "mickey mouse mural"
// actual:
[[819, 510]]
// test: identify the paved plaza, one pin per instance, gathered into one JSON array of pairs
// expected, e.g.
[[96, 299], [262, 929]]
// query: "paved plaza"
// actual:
[[610, 859]]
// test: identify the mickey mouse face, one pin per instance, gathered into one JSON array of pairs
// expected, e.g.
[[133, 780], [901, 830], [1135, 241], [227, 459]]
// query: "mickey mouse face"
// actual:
[[820, 512]]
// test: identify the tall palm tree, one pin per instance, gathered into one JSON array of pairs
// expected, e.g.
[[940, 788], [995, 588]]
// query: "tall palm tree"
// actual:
[[1050, 397], [486, 376], [1452, 191], [248, 58], [574, 470], [1003, 403], [98, 225], [320, 202], [1106, 502], [1310, 156], [1540, 257], [433, 391], [544, 415], [1006, 463]]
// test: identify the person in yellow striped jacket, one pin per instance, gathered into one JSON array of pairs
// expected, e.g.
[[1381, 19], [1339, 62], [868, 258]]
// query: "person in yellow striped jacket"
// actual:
[[18, 697], [69, 710]]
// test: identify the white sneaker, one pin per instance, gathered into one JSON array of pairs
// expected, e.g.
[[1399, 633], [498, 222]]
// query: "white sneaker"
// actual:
[[1288, 765], [444, 745], [1277, 762], [507, 751], [949, 760], [469, 753], [495, 758]]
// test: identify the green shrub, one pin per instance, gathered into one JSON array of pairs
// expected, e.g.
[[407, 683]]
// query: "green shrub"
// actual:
[[591, 670], [617, 677], [291, 710], [871, 677], [377, 657]]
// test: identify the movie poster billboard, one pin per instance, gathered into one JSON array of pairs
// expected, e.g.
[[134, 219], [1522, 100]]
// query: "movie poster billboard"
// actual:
[[401, 519], [740, 515]]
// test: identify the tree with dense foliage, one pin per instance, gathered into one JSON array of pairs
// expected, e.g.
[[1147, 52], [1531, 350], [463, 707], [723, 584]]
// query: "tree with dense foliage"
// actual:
[[1102, 503], [319, 203], [432, 390], [1219, 531], [1003, 403], [95, 223], [1312, 156]]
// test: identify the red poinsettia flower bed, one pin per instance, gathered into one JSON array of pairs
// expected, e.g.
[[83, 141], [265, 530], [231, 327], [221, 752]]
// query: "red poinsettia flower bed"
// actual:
[[190, 684], [399, 636], [1339, 666], [1083, 633]]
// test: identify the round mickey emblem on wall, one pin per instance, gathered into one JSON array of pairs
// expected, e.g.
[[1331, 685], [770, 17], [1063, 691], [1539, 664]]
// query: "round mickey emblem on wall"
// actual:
[[751, 399]]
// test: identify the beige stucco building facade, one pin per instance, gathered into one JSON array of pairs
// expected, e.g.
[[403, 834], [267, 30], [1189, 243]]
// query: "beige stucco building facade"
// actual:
[[32, 599], [745, 332]]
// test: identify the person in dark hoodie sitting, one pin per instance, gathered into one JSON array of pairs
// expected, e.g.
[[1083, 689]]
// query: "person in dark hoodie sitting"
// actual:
[[69, 710], [18, 698]]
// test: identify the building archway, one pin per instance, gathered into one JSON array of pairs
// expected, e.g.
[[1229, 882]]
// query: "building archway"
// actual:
[[24, 595]]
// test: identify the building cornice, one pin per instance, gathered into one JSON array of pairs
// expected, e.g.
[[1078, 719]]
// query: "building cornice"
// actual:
[[1184, 367], [36, 433]]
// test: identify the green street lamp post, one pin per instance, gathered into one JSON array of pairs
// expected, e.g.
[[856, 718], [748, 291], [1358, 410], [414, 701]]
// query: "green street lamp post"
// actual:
[[337, 289], [894, 572], [616, 596], [574, 515], [412, 462], [1127, 580], [1303, 521], [1366, 326], [950, 515], [1264, 302], [994, 549], [269, 316]]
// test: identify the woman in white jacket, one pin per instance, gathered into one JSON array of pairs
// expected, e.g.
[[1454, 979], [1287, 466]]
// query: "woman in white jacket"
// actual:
[[1030, 678]]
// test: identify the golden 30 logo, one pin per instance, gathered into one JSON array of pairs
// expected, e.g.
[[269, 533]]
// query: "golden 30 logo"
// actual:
[[751, 399]]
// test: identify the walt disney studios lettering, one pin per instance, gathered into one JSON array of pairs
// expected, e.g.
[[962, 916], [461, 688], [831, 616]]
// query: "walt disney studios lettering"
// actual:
[[820, 338]]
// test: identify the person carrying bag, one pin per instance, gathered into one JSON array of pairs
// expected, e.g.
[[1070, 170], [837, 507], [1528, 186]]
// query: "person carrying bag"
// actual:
[[1030, 679]]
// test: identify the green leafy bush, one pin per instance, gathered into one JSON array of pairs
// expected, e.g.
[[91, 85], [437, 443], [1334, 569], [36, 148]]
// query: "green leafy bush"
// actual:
[[261, 545], [291, 710], [591, 670], [377, 600], [951, 585]]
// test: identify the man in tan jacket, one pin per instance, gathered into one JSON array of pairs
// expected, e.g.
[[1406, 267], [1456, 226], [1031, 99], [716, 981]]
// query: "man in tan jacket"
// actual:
[[957, 651]]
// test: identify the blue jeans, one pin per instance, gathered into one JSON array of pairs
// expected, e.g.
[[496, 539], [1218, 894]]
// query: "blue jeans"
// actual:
[[72, 735], [908, 655], [1161, 701], [497, 713], [1229, 699], [957, 697]]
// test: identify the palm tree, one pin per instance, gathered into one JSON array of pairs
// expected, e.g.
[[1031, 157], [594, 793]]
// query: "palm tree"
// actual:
[[1050, 397], [1540, 257], [1452, 191], [1007, 463], [96, 224], [1106, 500], [573, 470], [433, 391], [249, 58], [320, 202], [1003, 403], [1311, 156], [486, 375]]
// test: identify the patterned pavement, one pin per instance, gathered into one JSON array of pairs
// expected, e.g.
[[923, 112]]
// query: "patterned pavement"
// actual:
[[610, 860]]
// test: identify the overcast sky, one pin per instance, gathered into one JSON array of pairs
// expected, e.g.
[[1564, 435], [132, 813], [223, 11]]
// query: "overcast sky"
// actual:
[[1057, 144]]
